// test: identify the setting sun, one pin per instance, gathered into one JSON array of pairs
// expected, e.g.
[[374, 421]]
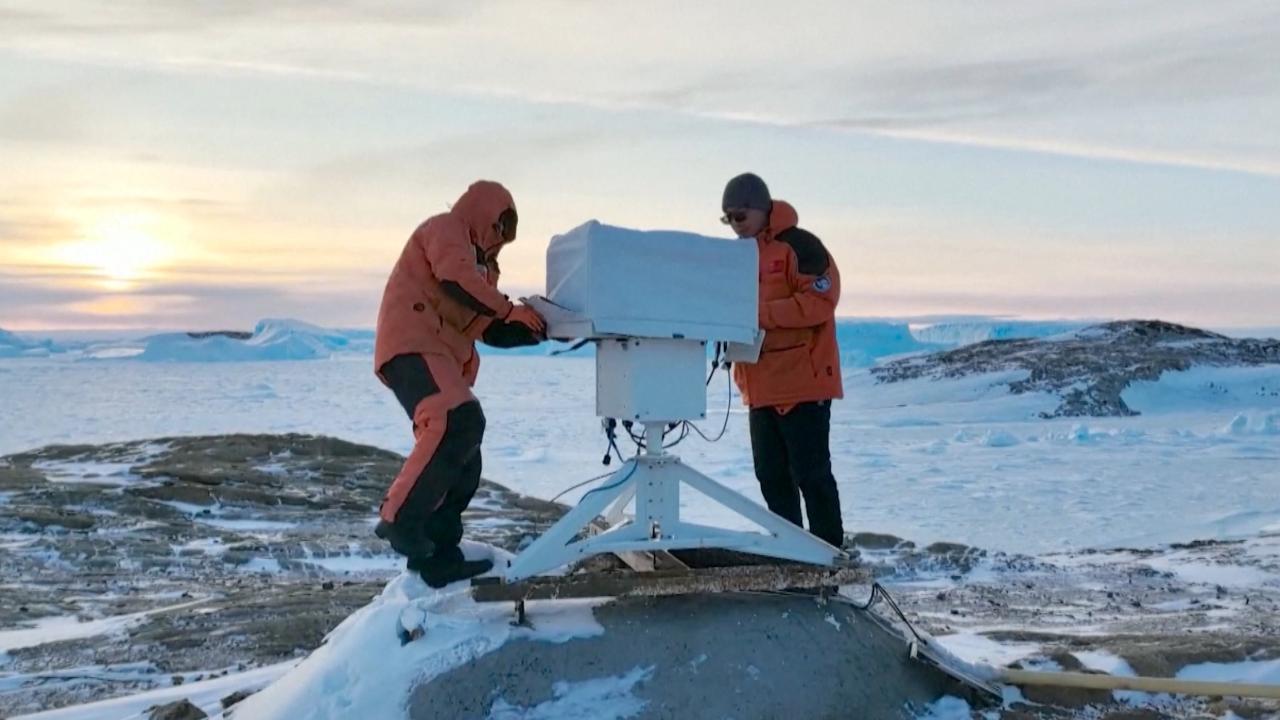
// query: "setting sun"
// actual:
[[120, 248]]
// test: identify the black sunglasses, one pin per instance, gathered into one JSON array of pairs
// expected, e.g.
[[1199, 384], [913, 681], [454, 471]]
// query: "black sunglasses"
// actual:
[[734, 217]]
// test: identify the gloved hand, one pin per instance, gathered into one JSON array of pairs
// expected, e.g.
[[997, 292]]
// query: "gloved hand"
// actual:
[[528, 317]]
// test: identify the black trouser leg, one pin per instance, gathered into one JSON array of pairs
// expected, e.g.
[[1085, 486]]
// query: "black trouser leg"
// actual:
[[431, 514], [410, 379], [769, 454], [806, 431], [444, 526], [449, 480]]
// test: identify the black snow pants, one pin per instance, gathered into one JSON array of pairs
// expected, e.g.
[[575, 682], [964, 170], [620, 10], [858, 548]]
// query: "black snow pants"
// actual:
[[442, 473], [792, 455]]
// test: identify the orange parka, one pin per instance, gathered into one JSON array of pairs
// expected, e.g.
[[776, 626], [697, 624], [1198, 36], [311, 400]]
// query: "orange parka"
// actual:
[[442, 292], [799, 290]]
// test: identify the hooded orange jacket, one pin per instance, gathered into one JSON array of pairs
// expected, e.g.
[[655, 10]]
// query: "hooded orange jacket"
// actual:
[[443, 291], [799, 289]]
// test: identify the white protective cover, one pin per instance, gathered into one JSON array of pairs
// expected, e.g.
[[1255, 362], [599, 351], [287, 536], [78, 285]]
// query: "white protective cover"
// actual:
[[654, 283]]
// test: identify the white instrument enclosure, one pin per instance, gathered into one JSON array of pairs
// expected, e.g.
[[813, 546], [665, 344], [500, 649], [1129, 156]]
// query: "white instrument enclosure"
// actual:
[[657, 284], [651, 379]]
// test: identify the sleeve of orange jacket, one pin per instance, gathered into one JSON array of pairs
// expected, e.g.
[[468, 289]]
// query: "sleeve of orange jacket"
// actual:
[[815, 286], [453, 261]]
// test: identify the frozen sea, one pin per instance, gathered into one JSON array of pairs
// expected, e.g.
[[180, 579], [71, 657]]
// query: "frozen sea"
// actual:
[[959, 461]]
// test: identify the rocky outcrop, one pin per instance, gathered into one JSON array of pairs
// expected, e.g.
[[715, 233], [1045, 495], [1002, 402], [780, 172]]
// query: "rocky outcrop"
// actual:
[[224, 552], [1090, 368]]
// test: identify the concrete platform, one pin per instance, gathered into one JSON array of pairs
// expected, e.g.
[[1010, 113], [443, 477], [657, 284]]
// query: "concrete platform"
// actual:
[[731, 655]]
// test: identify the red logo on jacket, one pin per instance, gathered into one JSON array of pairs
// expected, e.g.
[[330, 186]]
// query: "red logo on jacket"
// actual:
[[777, 266]]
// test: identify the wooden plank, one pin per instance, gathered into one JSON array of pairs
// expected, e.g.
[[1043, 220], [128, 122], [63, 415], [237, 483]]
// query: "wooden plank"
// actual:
[[639, 561], [659, 583], [1143, 684]]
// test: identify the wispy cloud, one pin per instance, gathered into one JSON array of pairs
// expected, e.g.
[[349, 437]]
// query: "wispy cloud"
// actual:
[[294, 143]]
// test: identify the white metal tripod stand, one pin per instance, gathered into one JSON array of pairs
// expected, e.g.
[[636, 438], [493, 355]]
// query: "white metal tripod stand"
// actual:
[[654, 479]]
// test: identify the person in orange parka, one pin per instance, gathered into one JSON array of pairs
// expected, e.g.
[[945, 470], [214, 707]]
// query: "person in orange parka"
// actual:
[[790, 388], [441, 298]]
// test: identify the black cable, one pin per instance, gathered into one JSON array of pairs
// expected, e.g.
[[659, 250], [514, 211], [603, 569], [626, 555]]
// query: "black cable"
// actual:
[[878, 592], [571, 488], [610, 486], [569, 349], [728, 407], [684, 433], [715, 364], [637, 439]]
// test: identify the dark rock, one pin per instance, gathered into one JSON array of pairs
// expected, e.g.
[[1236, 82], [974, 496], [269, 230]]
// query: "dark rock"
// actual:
[[56, 518], [234, 698], [948, 548], [175, 492], [233, 334], [876, 541], [1090, 369], [181, 710]]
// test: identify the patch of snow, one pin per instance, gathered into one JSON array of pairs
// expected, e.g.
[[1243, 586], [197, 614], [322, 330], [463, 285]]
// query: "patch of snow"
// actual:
[[207, 546], [947, 708], [122, 672], [1206, 573], [85, 470], [205, 694], [270, 566], [192, 509], [335, 678], [1207, 388], [1106, 662], [974, 648], [607, 698], [1040, 664], [213, 515], [560, 621], [998, 439], [357, 565], [1265, 672], [90, 472], [57, 628], [245, 525]]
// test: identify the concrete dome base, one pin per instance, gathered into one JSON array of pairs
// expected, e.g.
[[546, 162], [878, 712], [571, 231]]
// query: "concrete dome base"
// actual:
[[739, 656]]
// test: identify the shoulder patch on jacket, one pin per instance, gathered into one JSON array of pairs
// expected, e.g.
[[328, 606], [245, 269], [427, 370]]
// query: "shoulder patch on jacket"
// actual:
[[811, 254]]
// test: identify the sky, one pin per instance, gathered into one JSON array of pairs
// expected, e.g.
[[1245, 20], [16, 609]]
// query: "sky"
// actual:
[[206, 163]]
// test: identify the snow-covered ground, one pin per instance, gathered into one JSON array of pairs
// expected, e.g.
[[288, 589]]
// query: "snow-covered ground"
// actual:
[[957, 461]]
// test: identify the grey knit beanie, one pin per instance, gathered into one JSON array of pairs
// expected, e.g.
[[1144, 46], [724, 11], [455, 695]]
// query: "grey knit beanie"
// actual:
[[746, 191]]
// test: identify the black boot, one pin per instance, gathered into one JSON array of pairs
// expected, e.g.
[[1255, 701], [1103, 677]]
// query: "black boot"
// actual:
[[448, 565], [405, 538]]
